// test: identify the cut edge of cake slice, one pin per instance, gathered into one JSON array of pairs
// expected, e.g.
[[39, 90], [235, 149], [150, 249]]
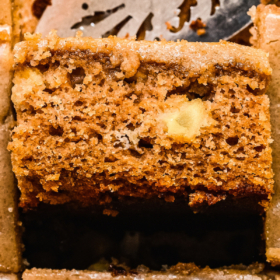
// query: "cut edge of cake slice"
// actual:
[[162, 118]]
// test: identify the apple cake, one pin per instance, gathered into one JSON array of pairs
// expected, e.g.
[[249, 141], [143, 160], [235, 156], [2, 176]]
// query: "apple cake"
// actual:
[[26, 15], [10, 247], [105, 118], [266, 36]]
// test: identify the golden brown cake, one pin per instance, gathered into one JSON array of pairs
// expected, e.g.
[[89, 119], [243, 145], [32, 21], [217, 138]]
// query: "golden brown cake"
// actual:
[[26, 15], [9, 276], [266, 34], [10, 247], [178, 272], [111, 117]]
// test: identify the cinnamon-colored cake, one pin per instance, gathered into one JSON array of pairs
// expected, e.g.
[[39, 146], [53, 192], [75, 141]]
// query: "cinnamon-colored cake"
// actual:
[[266, 34], [26, 15], [10, 247], [110, 117]]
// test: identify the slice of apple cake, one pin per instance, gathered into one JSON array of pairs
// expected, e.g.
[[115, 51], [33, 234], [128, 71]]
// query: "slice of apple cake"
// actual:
[[103, 118]]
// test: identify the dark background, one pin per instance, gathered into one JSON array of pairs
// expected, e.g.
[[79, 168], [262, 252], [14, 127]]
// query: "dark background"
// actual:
[[153, 233]]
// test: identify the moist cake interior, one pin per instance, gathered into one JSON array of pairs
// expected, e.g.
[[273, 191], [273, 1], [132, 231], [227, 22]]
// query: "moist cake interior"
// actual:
[[151, 232], [141, 119]]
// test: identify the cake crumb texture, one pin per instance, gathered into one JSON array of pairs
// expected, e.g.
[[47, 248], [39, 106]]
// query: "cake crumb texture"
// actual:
[[93, 119]]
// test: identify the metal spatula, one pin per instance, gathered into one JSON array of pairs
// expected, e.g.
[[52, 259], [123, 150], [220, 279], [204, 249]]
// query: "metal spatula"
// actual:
[[154, 19]]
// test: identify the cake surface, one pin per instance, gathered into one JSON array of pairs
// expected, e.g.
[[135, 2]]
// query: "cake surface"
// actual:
[[266, 36], [110, 117], [10, 247]]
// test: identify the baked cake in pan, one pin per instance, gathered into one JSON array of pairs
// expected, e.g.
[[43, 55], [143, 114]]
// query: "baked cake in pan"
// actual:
[[10, 246], [112, 117], [266, 36]]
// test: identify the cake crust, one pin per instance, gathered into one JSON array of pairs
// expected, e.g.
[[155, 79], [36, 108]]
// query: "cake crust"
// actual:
[[181, 271], [92, 120]]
